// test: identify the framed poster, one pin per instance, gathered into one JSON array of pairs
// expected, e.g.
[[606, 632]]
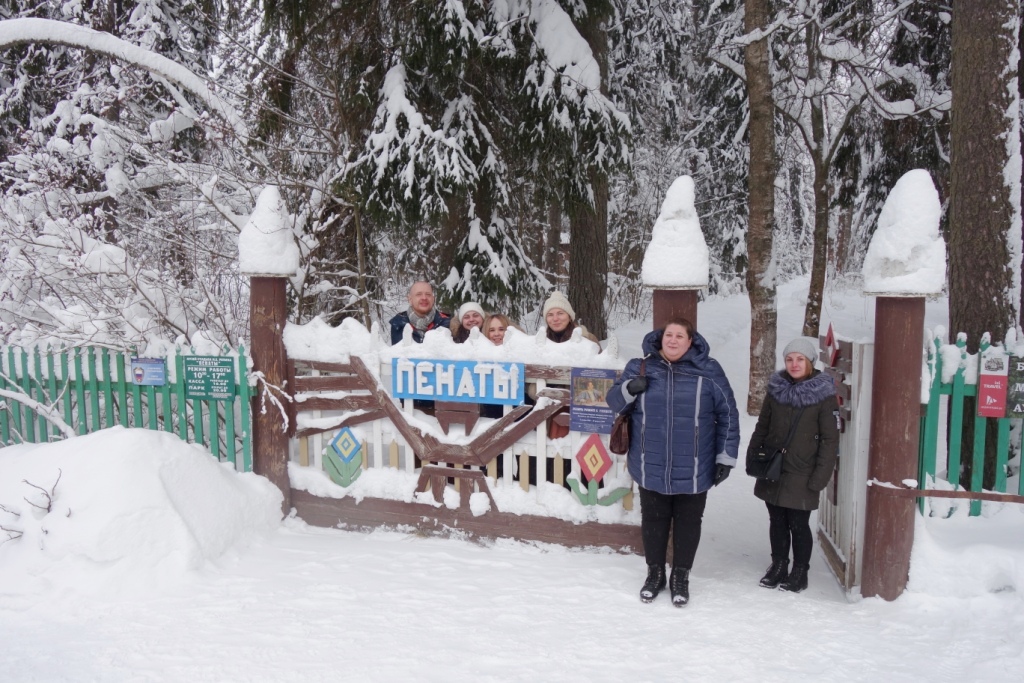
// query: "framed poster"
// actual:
[[588, 411]]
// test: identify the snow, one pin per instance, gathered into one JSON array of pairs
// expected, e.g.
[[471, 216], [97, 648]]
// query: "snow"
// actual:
[[677, 256], [316, 340], [266, 245], [171, 567], [907, 255]]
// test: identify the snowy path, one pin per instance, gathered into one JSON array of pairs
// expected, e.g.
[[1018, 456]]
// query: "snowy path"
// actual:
[[315, 605]]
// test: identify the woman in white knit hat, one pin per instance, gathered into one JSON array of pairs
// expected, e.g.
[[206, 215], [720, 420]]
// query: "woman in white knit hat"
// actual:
[[560, 319], [469, 315], [800, 415]]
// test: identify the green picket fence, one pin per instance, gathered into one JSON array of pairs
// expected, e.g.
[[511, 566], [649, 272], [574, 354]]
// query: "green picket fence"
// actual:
[[957, 390], [91, 388]]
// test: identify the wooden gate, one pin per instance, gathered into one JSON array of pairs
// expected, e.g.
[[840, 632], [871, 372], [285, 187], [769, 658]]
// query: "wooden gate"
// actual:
[[459, 468], [843, 503]]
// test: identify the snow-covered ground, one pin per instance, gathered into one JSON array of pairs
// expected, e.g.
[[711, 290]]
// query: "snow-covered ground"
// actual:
[[136, 575]]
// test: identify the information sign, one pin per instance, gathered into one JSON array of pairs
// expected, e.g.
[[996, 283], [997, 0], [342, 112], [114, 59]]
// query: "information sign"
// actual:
[[1015, 395], [458, 380], [993, 379], [149, 372], [209, 377], [588, 411]]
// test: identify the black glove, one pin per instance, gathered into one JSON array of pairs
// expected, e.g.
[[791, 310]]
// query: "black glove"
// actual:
[[721, 473], [637, 385]]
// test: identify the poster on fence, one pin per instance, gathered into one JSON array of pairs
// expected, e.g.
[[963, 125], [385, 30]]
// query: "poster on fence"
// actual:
[[588, 411], [1015, 392], [993, 376]]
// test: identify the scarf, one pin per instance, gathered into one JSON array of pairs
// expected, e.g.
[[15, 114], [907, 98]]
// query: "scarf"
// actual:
[[563, 336], [422, 323]]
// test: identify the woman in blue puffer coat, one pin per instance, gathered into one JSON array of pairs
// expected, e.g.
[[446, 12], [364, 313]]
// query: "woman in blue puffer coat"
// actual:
[[684, 438]]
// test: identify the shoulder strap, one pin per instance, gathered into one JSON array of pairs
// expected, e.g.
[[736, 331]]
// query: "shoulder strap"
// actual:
[[792, 430]]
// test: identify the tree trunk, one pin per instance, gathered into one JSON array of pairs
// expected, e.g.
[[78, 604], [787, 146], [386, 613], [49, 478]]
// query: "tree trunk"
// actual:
[[588, 258], [819, 250], [761, 211], [1020, 194], [553, 243], [982, 217], [588, 220]]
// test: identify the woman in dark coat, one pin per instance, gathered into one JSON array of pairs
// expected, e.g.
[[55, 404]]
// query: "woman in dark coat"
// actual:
[[807, 465], [684, 439]]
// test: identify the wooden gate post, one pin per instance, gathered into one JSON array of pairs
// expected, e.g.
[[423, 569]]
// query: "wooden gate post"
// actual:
[[674, 303], [267, 317], [893, 446]]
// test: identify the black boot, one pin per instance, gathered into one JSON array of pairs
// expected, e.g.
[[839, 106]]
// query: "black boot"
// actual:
[[775, 574], [797, 579], [654, 583], [680, 586]]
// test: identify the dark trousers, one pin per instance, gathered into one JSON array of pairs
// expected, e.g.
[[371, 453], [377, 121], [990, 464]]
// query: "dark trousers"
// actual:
[[679, 515], [790, 527]]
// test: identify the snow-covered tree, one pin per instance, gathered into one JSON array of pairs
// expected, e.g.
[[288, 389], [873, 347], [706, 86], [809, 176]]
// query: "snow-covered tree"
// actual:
[[105, 235]]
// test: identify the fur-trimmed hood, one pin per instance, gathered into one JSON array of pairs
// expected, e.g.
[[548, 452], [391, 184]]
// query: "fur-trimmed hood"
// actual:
[[814, 389]]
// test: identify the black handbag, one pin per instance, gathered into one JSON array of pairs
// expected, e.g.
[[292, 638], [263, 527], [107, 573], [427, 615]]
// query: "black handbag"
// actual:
[[618, 442], [766, 462]]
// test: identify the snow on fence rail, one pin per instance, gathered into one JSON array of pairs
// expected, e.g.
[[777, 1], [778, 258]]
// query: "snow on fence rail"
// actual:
[[91, 388]]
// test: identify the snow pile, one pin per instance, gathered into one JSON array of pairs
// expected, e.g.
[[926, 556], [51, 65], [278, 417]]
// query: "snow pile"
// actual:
[[907, 256], [677, 256], [318, 341], [266, 245], [965, 557], [128, 508]]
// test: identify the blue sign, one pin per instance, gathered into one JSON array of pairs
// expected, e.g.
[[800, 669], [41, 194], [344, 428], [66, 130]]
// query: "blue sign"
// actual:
[[458, 380], [149, 372]]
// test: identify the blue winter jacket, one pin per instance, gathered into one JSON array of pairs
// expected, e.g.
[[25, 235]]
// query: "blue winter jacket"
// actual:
[[684, 423]]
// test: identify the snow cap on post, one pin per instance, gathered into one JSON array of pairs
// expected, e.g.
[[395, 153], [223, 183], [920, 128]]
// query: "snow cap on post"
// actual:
[[266, 245], [677, 257], [907, 255]]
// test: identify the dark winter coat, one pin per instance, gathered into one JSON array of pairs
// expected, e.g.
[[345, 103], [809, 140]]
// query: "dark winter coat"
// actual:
[[399, 322], [684, 423], [811, 457]]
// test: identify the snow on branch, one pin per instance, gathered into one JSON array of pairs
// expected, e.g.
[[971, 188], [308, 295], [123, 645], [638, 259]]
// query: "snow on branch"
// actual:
[[19, 31], [48, 413]]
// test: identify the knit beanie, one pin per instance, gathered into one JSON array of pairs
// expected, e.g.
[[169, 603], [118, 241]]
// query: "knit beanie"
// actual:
[[805, 346], [471, 306], [558, 300]]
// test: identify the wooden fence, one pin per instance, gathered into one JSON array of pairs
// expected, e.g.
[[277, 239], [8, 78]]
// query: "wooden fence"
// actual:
[[950, 396], [332, 396], [91, 388]]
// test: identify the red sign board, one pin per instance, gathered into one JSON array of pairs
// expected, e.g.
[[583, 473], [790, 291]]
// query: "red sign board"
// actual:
[[993, 382], [831, 347]]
